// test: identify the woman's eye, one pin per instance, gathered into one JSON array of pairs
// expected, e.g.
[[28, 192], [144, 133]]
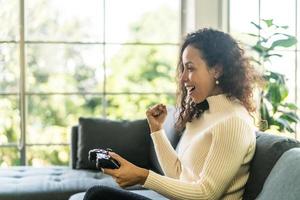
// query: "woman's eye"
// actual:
[[190, 69]]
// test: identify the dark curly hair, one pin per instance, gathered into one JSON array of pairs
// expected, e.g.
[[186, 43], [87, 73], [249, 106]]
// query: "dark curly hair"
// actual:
[[238, 78]]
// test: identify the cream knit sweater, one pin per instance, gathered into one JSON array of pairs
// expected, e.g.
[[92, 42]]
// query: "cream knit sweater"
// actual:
[[212, 161]]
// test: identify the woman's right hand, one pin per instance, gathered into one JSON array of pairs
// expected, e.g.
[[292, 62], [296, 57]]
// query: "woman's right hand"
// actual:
[[156, 116]]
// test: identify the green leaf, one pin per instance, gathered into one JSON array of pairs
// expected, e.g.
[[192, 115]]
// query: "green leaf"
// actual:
[[284, 92], [274, 94], [274, 54], [284, 42], [264, 112], [253, 35], [259, 49], [290, 117], [284, 124], [284, 27], [275, 77], [277, 33], [256, 25], [258, 62], [291, 106], [287, 35], [269, 22], [265, 117]]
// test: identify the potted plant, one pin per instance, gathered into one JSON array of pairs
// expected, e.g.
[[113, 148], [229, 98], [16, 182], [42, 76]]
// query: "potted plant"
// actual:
[[275, 111]]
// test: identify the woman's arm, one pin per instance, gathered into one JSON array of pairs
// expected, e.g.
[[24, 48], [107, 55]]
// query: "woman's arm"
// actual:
[[166, 154]]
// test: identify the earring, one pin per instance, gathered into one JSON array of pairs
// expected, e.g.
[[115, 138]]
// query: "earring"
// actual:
[[217, 82]]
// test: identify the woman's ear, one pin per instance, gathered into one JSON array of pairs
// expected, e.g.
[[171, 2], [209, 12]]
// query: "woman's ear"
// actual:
[[218, 71]]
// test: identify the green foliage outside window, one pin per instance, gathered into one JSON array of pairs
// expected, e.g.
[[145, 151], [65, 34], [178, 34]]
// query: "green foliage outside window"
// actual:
[[54, 68], [275, 111]]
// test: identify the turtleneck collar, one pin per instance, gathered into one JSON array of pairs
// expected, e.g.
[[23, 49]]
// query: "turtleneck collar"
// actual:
[[219, 102]]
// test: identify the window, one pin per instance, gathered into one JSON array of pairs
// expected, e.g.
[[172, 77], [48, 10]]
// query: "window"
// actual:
[[242, 13], [97, 58]]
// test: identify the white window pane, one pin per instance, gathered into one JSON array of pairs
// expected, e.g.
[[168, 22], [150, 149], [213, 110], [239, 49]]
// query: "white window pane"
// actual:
[[281, 11], [242, 13], [142, 68], [64, 68], [283, 14], [9, 19], [142, 21], [298, 97], [9, 156], [10, 119], [134, 106], [298, 33], [65, 20], [50, 116], [9, 68], [39, 156]]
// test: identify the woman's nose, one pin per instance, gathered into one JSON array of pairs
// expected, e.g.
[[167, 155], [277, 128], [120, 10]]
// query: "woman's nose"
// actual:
[[183, 77]]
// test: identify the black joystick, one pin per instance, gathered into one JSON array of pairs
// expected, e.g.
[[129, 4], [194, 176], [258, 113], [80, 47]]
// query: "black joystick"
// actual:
[[103, 159]]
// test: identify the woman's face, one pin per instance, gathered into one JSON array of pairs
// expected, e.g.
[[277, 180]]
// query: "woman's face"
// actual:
[[197, 78]]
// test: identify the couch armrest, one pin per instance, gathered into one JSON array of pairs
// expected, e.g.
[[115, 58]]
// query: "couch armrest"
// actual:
[[284, 179], [269, 149], [74, 144]]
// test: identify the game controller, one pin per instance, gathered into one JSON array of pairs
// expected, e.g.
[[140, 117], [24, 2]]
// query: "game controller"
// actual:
[[102, 159]]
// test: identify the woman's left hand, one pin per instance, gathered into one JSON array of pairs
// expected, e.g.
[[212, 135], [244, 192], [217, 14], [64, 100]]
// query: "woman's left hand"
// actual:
[[128, 174]]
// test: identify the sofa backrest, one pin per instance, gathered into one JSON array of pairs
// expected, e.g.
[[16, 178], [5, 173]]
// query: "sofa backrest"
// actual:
[[74, 146], [172, 135]]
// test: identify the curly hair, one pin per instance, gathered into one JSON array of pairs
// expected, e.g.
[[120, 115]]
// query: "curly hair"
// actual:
[[239, 77]]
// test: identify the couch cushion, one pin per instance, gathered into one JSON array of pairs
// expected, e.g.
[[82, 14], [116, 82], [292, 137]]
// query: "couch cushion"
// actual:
[[130, 139], [284, 179], [269, 148], [78, 196], [48, 183], [147, 193]]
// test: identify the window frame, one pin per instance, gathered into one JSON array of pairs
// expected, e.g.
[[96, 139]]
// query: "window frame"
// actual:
[[23, 94]]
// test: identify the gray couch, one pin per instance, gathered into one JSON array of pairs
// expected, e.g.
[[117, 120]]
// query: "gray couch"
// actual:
[[274, 172]]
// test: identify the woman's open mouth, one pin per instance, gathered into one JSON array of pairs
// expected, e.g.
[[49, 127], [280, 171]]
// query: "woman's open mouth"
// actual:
[[190, 89]]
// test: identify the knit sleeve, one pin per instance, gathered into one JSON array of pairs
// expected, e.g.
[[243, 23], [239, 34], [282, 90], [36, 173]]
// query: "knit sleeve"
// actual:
[[231, 141], [166, 154]]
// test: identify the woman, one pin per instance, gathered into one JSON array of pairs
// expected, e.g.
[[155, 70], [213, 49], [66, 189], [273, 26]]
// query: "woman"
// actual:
[[215, 85]]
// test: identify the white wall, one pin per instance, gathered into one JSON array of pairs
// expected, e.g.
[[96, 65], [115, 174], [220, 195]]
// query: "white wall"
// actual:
[[205, 13]]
